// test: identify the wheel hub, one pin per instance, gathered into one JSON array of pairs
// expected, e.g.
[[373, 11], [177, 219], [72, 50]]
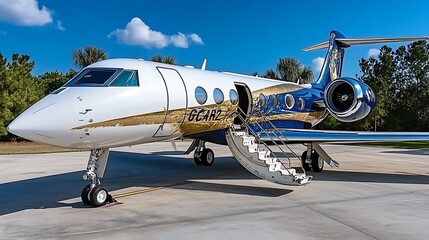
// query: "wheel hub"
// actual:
[[209, 157], [320, 162], [102, 196]]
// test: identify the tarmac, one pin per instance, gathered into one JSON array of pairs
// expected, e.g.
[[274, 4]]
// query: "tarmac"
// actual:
[[376, 193]]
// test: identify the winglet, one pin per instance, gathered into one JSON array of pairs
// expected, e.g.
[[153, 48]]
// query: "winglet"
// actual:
[[203, 67]]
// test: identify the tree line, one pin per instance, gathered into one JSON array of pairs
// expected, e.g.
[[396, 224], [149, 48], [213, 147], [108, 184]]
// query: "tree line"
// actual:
[[399, 78], [400, 81]]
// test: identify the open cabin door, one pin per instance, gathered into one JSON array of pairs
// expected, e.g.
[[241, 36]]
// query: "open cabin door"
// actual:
[[244, 101], [177, 102]]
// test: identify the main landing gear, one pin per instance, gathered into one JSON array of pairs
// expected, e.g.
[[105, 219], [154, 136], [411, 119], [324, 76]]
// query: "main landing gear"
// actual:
[[202, 155], [311, 160], [94, 194]]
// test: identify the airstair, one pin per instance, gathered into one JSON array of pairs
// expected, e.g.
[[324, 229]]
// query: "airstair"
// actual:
[[258, 158]]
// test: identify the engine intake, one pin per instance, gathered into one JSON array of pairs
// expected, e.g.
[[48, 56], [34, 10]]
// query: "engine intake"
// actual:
[[349, 99]]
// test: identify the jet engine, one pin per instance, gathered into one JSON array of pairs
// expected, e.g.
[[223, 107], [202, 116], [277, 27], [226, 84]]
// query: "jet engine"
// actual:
[[349, 99]]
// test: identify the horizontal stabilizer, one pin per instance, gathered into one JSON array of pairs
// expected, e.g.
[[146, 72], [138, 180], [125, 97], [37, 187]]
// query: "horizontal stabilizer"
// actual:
[[347, 42]]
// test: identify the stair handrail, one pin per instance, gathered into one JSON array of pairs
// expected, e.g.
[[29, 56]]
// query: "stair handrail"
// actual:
[[272, 140], [276, 130], [250, 130]]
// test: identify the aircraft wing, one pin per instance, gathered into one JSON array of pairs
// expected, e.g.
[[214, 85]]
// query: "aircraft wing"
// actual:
[[300, 135]]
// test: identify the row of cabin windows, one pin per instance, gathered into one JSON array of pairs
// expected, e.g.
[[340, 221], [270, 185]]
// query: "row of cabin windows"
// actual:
[[289, 101], [218, 97]]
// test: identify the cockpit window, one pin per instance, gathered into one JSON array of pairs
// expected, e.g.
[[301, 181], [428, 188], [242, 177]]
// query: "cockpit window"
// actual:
[[127, 78], [95, 76]]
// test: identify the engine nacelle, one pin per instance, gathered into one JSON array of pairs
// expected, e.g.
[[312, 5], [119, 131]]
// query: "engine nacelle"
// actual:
[[348, 99]]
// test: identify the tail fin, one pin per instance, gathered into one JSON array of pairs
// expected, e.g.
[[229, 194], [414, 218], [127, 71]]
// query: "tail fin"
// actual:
[[336, 44]]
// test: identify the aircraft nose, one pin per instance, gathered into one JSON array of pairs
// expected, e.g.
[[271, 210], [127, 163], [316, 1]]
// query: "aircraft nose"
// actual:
[[44, 122]]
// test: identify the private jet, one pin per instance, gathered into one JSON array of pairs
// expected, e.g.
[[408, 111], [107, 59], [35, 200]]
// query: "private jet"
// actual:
[[124, 102]]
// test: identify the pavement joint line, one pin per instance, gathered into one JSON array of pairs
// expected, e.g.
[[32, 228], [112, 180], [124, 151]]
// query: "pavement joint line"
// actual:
[[136, 192], [345, 224]]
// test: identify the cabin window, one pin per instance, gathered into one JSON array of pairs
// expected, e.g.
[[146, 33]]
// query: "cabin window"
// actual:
[[200, 95], [233, 96], [218, 96], [128, 78], [262, 100], [301, 103], [289, 101], [95, 76], [275, 100]]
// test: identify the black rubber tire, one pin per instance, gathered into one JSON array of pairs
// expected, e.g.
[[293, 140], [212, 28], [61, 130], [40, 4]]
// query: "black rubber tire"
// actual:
[[305, 165], [207, 157], [317, 162], [85, 195], [198, 161], [95, 194]]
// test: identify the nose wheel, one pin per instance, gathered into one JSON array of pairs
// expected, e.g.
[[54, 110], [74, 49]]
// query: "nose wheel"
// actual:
[[85, 195], [95, 194], [96, 197]]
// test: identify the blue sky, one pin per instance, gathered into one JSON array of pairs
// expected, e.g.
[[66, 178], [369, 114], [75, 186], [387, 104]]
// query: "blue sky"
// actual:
[[235, 36]]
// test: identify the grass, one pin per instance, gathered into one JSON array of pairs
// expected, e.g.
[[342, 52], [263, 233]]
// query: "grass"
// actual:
[[404, 145], [30, 147]]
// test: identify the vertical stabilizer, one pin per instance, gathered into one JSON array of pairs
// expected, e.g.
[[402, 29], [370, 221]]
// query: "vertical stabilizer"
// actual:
[[336, 44], [333, 63]]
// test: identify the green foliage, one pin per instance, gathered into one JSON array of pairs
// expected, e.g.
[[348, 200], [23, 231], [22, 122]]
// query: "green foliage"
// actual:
[[18, 89], [161, 59], [87, 56], [271, 74], [400, 81], [290, 69], [53, 80]]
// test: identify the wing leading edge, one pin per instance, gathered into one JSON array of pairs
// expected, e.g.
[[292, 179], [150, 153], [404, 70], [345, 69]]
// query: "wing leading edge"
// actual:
[[300, 135]]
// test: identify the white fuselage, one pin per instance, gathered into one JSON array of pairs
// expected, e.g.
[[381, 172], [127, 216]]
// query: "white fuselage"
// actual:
[[70, 117]]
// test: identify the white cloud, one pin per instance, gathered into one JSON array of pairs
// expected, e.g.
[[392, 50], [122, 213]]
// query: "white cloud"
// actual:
[[24, 12], [317, 64], [179, 40], [60, 26], [373, 52], [197, 39], [136, 32]]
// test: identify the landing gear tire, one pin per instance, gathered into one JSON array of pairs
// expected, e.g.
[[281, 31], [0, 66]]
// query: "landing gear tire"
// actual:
[[317, 162], [98, 196], [85, 195], [305, 165], [207, 157], [198, 161]]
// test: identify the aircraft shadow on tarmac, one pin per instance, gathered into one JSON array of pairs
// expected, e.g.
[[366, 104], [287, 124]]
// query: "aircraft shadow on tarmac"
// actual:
[[127, 169]]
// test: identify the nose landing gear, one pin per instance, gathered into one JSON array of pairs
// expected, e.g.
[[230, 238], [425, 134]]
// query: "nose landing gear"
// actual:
[[94, 194]]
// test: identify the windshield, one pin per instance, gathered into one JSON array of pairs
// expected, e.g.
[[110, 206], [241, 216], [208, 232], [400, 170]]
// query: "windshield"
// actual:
[[94, 76]]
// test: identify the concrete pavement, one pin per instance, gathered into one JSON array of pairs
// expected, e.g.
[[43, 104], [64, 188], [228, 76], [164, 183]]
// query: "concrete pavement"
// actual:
[[375, 194]]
